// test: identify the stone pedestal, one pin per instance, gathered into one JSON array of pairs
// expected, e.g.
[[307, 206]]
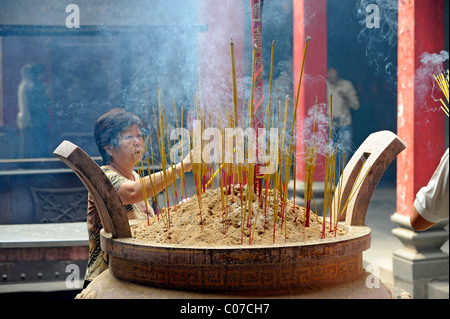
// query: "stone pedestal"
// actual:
[[421, 260], [106, 286]]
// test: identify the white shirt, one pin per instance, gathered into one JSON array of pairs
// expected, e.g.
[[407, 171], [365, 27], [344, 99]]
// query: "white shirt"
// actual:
[[432, 200], [341, 109]]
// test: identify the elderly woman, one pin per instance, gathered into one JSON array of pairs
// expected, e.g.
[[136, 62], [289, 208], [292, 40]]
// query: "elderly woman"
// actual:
[[119, 138]]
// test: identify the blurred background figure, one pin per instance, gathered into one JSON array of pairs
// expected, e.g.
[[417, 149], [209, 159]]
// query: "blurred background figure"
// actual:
[[344, 100], [33, 116]]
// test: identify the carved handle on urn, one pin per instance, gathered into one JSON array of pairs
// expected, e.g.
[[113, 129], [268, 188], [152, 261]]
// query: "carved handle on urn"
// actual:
[[108, 203], [370, 161]]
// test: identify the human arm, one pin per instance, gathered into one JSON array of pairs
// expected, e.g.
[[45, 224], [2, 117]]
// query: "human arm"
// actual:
[[130, 192], [431, 204], [349, 95], [418, 222]]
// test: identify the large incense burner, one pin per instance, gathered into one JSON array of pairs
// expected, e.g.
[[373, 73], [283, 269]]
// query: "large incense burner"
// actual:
[[282, 270]]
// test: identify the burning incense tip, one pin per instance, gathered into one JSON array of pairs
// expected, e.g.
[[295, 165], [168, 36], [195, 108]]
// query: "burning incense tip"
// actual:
[[308, 38]]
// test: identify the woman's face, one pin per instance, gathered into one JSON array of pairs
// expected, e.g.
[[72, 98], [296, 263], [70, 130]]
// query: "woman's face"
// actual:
[[130, 147]]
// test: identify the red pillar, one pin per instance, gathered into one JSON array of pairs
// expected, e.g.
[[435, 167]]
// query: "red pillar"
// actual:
[[310, 19], [420, 123]]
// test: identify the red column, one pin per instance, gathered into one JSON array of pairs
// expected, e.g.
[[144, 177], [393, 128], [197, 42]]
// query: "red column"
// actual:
[[420, 123], [310, 19]]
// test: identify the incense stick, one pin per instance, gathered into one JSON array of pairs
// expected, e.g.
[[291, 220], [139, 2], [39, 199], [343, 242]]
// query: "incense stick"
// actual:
[[233, 81], [140, 169], [155, 197]]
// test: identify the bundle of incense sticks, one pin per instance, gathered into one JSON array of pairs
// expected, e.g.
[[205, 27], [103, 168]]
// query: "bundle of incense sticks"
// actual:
[[339, 208], [442, 81], [245, 173], [294, 122], [140, 169], [155, 195], [334, 203], [242, 173]]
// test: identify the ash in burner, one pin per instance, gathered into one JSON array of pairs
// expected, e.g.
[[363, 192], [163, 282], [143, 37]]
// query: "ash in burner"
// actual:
[[230, 226]]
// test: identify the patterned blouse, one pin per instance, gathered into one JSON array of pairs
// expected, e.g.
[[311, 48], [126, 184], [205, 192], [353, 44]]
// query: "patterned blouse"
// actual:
[[98, 260]]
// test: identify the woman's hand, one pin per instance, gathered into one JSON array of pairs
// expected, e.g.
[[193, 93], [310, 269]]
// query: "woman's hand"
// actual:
[[187, 163]]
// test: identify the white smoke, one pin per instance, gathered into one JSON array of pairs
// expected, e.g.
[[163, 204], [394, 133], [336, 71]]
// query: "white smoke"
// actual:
[[424, 82], [379, 34]]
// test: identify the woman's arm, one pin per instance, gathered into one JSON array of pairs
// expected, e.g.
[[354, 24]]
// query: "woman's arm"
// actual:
[[130, 192]]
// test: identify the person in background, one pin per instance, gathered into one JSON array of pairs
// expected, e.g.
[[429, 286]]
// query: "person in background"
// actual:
[[119, 136], [344, 100], [33, 116], [431, 202]]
